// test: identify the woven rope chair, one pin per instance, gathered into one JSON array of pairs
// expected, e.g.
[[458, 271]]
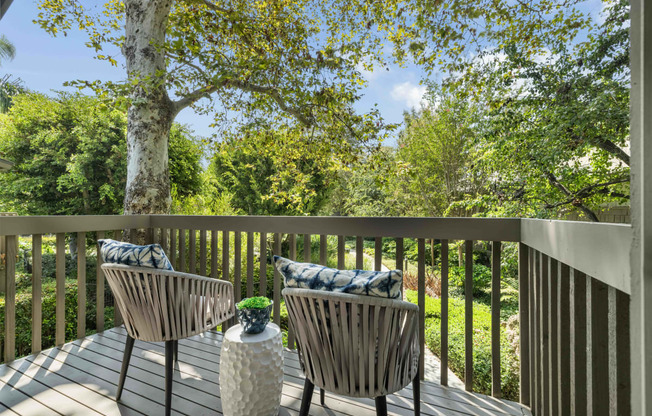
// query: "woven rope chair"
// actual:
[[165, 306], [357, 346]]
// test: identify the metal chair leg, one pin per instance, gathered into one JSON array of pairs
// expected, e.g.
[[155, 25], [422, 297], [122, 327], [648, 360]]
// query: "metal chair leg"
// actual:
[[308, 388], [169, 372], [322, 396], [381, 406], [129, 346], [416, 394], [176, 351]]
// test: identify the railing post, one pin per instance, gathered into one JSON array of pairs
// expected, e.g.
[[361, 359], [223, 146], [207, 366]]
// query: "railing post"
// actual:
[[524, 322], [10, 297], [60, 290]]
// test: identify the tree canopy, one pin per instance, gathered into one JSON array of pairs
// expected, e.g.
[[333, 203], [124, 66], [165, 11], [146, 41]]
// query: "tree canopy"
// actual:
[[282, 61], [70, 156]]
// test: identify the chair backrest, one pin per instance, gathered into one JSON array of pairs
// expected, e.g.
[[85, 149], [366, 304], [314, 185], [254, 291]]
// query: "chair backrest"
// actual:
[[162, 305], [358, 346]]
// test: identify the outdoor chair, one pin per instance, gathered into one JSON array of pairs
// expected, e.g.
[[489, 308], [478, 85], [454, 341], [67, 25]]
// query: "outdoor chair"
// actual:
[[160, 305], [352, 345]]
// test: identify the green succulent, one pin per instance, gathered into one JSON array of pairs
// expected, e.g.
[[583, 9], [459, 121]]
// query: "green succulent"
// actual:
[[258, 302]]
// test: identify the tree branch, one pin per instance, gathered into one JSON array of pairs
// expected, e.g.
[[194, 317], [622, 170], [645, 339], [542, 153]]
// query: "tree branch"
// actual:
[[271, 92], [573, 200]]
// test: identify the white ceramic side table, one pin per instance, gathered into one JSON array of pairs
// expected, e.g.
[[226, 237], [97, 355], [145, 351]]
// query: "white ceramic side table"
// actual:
[[251, 372]]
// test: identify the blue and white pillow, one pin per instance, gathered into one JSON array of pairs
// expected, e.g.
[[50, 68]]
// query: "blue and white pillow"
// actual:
[[357, 282], [132, 255]]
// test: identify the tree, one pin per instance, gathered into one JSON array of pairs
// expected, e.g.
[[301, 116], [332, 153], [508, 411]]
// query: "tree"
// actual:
[[275, 59], [557, 128], [7, 49], [70, 156], [273, 172], [435, 155]]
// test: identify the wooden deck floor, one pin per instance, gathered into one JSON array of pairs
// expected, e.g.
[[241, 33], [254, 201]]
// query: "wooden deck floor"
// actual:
[[80, 378]]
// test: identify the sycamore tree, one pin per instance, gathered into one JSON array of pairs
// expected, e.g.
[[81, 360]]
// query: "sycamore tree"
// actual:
[[279, 60]]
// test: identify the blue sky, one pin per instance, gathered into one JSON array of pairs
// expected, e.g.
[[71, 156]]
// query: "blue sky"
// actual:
[[44, 63]]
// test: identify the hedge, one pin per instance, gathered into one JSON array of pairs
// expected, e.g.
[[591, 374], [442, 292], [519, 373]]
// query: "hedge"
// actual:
[[24, 317]]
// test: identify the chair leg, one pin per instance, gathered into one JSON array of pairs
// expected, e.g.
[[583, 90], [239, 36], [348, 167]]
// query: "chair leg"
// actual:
[[176, 351], [322, 396], [381, 406], [129, 346], [169, 372], [416, 394], [308, 388]]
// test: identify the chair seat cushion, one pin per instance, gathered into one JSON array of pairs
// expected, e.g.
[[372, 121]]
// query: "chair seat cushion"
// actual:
[[151, 255], [385, 284]]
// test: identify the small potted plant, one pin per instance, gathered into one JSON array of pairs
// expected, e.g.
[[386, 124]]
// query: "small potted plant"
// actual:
[[253, 314]]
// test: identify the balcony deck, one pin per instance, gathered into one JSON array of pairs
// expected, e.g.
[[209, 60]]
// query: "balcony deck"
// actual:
[[80, 378]]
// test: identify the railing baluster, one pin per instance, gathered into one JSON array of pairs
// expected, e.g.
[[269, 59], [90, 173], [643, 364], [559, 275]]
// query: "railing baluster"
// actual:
[[202, 253], [182, 251], [399, 257], [524, 322], [554, 336], [545, 332], [578, 398], [10, 297], [214, 254], [293, 256], [564, 342], [225, 256], [60, 290], [192, 251], [600, 347], [468, 314], [173, 248], [378, 253], [340, 252], [359, 253], [421, 295], [263, 264], [37, 292], [306, 248], [495, 319], [323, 250], [99, 288], [250, 264], [277, 281], [163, 239], [536, 342], [293, 247], [237, 266], [81, 285], [623, 362], [444, 311]]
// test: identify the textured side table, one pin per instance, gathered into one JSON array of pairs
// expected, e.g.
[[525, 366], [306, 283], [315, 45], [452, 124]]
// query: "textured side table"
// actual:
[[251, 372]]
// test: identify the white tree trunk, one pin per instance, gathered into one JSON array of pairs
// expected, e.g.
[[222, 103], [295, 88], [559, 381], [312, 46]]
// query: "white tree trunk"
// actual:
[[151, 112]]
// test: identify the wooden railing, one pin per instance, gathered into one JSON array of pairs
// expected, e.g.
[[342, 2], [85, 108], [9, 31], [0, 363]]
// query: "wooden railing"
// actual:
[[561, 344]]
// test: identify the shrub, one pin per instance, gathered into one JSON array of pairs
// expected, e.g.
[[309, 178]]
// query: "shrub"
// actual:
[[24, 317], [481, 344]]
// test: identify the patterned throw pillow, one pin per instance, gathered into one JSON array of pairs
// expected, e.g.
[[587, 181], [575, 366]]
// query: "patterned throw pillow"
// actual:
[[132, 255], [356, 282]]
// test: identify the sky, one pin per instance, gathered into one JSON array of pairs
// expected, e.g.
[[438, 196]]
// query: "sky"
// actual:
[[44, 63]]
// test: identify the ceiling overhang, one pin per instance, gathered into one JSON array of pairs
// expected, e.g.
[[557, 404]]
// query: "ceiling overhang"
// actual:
[[4, 6]]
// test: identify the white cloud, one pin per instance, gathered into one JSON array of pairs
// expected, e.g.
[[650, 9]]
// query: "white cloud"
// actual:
[[410, 94]]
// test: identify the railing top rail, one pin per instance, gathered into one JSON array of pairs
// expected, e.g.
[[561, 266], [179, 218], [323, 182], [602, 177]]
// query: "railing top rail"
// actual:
[[600, 250], [498, 229], [70, 223]]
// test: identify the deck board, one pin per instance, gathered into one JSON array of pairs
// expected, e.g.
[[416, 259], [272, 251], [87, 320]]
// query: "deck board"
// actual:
[[80, 378]]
